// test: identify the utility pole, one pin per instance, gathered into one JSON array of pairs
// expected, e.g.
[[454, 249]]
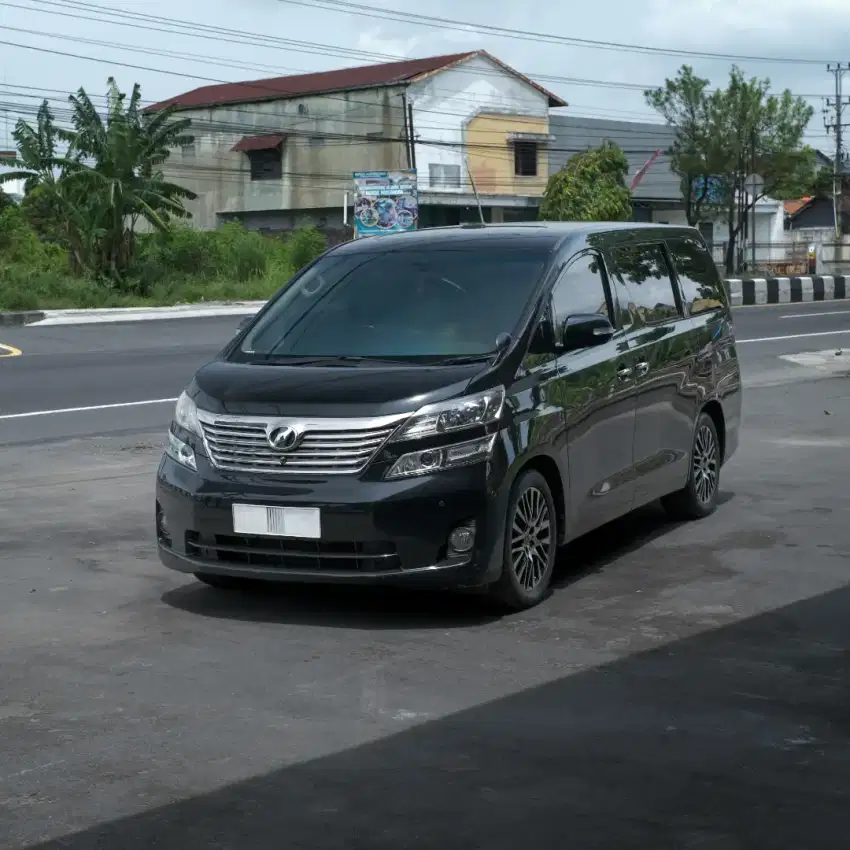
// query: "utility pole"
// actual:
[[833, 121]]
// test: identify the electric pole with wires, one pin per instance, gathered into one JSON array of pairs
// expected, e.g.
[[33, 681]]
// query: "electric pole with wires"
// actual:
[[833, 121]]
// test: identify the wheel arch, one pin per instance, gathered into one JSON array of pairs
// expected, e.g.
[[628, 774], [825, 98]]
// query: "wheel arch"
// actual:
[[549, 469], [714, 410]]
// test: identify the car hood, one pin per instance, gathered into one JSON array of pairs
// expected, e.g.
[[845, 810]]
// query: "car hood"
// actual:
[[335, 391]]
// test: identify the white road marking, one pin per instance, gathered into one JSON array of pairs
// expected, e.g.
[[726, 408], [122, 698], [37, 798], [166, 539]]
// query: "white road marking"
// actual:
[[88, 409], [793, 336], [822, 313], [829, 359]]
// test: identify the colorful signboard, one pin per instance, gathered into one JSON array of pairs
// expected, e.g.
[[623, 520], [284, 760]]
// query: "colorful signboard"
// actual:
[[385, 202]]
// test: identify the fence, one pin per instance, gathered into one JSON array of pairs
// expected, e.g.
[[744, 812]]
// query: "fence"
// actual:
[[772, 259]]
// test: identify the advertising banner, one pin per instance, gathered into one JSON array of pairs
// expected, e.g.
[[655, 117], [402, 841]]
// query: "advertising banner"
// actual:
[[385, 202]]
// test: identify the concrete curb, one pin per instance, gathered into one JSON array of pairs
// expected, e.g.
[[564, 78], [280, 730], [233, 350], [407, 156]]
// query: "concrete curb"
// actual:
[[131, 314], [26, 317], [788, 290]]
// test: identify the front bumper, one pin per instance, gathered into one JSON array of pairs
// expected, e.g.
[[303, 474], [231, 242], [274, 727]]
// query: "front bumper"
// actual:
[[373, 531]]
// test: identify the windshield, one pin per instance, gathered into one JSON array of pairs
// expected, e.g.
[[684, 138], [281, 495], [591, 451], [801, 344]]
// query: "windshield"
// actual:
[[432, 303]]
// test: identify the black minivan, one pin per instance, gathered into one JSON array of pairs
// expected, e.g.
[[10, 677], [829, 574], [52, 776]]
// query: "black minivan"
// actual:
[[449, 406]]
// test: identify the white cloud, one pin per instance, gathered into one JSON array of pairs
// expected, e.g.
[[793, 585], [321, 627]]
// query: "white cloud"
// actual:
[[373, 41]]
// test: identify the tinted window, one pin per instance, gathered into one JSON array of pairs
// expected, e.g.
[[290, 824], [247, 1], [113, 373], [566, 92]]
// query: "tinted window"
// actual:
[[580, 289], [432, 303], [698, 275], [644, 271]]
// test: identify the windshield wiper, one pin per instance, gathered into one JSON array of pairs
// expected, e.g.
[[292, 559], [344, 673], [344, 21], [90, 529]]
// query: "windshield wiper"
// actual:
[[325, 359], [468, 358]]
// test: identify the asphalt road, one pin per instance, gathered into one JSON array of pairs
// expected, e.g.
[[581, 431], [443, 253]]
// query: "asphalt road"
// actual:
[[146, 364], [684, 686]]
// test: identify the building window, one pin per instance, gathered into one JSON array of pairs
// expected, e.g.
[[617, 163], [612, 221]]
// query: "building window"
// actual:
[[444, 176], [525, 159], [317, 141], [302, 108], [188, 151], [266, 164]]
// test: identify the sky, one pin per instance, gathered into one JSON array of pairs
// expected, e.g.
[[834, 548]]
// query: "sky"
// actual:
[[166, 32]]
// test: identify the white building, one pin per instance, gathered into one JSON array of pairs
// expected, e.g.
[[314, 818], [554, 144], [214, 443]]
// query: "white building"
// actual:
[[281, 152]]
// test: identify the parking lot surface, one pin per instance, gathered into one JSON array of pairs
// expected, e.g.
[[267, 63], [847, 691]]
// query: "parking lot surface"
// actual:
[[684, 686]]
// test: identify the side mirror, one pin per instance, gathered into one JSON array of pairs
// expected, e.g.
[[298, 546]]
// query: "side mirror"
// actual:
[[585, 331]]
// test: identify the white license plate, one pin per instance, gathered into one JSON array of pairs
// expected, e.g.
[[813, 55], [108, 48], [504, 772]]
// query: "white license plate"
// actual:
[[277, 522]]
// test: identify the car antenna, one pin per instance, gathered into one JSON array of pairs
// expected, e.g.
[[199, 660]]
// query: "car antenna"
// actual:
[[477, 199]]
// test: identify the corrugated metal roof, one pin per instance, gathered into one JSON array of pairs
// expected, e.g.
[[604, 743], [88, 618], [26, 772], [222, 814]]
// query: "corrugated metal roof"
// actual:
[[324, 82], [258, 143], [639, 141]]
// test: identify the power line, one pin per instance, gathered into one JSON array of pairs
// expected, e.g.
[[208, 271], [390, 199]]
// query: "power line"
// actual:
[[525, 35], [837, 125], [181, 27]]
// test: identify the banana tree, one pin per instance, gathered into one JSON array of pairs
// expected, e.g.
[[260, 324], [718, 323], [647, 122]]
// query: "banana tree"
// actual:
[[117, 179]]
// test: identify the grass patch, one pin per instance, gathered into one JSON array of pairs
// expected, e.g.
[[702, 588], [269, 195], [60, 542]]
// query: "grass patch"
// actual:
[[184, 266]]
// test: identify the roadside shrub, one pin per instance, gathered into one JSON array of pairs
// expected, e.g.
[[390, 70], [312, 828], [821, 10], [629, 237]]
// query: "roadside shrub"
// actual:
[[305, 245], [181, 266], [19, 244]]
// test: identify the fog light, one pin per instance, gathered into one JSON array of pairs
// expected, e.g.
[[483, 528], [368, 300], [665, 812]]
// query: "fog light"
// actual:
[[462, 539], [162, 530]]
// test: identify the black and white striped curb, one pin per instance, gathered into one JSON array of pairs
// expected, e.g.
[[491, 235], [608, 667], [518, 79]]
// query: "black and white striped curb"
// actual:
[[788, 290]]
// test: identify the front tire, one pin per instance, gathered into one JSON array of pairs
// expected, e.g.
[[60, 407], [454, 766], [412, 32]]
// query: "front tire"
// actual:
[[530, 547], [698, 498]]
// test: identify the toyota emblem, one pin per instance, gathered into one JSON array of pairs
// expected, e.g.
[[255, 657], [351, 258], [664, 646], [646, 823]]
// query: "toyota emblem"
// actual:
[[284, 439]]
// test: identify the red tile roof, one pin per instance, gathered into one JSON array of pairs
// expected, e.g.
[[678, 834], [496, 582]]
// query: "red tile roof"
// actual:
[[324, 82], [793, 207], [258, 143]]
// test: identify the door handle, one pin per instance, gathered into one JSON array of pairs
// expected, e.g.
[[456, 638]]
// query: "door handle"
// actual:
[[625, 373], [641, 368]]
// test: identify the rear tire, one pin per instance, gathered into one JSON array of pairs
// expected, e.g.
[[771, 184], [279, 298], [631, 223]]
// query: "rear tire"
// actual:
[[698, 498], [220, 582], [530, 545]]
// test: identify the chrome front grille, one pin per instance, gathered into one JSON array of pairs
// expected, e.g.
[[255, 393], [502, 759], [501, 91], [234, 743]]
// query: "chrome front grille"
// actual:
[[325, 446]]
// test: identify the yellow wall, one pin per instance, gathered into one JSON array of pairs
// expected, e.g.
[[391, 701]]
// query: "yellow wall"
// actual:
[[491, 155]]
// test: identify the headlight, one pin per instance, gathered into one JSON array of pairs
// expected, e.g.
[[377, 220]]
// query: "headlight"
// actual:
[[455, 415], [445, 457], [181, 452], [186, 415]]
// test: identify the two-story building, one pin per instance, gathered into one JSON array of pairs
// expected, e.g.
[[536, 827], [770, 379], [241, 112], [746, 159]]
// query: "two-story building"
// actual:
[[280, 153]]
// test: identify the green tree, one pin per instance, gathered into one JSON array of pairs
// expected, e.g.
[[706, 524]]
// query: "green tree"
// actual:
[[38, 161], [684, 104], [730, 134], [590, 187], [117, 179]]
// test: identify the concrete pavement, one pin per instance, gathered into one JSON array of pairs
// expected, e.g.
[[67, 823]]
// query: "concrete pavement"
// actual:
[[684, 686]]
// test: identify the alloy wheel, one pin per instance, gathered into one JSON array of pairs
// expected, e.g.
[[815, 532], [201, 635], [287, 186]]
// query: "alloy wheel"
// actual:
[[531, 538], [705, 464]]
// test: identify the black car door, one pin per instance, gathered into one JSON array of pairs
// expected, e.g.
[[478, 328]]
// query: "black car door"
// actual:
[[662, 343], [595, 390]]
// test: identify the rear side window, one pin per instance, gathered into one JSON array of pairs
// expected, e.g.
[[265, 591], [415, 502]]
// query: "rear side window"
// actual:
[[645, 274], [701, 284]]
